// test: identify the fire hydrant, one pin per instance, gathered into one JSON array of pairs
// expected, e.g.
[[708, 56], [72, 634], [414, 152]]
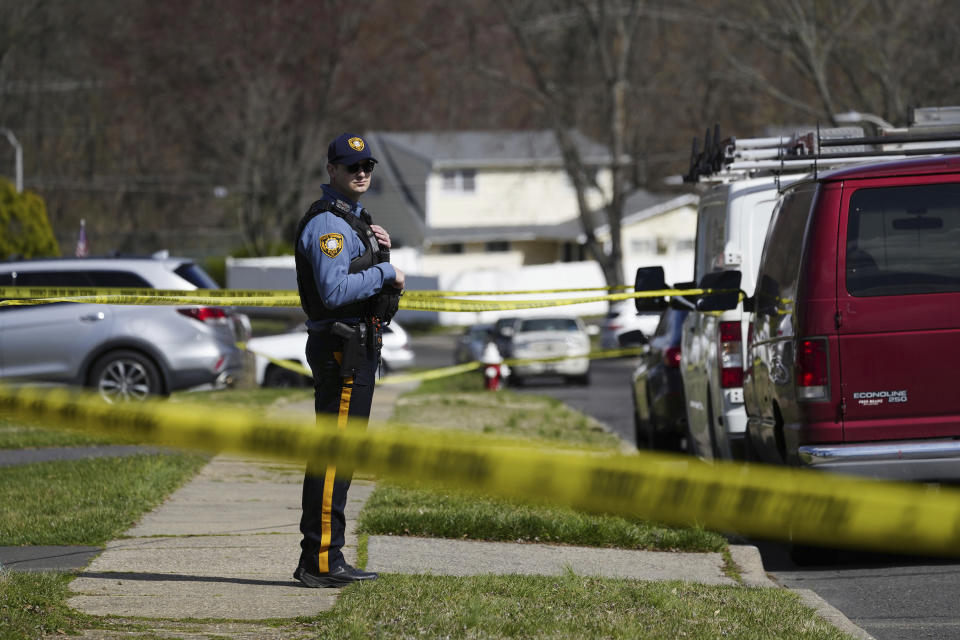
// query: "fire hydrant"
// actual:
[[494, 371]]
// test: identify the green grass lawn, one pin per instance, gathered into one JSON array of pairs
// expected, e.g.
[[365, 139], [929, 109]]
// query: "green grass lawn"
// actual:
[[94, 500], [33, 605], [404, 510], [569, 606], [15, 434], [86, 502]]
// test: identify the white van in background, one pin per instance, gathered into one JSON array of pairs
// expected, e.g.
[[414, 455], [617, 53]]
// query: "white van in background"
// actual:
[[732, 223]]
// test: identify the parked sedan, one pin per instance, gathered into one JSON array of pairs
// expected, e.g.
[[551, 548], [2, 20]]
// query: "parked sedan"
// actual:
[[396, 355], [548, 337], [659, 408]]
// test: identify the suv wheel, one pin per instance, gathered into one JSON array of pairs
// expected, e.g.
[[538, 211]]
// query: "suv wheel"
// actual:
[[124, 376]]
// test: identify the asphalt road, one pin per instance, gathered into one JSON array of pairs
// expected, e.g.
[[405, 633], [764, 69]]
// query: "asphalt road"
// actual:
[[606, 398], [892, 598]]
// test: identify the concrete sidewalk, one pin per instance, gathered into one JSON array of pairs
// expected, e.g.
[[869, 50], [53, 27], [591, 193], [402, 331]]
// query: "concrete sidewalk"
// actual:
[[225, 546]]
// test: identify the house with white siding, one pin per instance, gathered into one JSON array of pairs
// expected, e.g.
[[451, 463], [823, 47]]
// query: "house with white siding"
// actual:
[[466, 198]]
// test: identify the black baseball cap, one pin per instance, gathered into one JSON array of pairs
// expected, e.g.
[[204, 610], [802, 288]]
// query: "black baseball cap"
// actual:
[[348, 148]]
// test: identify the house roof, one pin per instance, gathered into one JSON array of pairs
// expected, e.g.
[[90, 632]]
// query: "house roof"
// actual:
[[643, 205], [489, 149]]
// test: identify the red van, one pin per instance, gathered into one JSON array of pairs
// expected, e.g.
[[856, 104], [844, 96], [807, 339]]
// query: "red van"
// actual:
[[854, 350]]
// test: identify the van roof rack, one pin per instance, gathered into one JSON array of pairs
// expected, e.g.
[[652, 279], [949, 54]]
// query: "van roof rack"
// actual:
[[808, 151]]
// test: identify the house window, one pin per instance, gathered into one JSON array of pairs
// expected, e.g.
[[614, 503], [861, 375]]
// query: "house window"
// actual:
[[497, 246], [453, 247], [573, 252], [449, 180], [468, 178], [463, 180]]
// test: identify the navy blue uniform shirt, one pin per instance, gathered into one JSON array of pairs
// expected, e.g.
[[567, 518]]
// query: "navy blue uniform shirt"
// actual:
[[330, 244]]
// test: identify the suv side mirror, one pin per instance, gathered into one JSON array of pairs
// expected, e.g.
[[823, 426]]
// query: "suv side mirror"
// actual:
[[684, 303], [728, 285], [650, 279]]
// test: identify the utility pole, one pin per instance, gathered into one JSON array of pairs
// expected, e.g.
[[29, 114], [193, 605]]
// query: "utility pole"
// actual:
[[18, 150]]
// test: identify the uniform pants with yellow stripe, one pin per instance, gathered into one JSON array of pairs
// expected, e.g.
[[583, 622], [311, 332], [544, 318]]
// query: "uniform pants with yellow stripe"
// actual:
[[324, 488]]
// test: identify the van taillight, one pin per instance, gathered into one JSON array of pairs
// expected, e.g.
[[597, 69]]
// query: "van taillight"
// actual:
[[813, 369], [205, 314], [671, 357], [731, 355]]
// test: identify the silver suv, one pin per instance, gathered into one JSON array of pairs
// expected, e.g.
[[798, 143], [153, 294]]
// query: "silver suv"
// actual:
[[126, 352]]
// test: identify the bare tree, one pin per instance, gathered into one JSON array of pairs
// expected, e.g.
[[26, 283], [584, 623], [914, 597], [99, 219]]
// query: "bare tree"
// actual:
[[247, 92], [818, 57], [581, 66]]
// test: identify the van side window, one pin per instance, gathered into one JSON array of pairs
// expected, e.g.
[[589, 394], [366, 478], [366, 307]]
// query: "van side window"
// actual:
[[904, 240], [712, 238], [783, 251]]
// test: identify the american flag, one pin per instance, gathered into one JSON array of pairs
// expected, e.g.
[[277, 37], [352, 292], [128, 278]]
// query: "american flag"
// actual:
[[82, 249]]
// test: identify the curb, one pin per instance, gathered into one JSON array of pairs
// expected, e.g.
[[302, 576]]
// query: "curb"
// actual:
[[748, 559], [831, 614]]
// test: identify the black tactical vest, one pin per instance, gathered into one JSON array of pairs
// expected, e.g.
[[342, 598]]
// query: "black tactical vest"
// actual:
[[382, 305]]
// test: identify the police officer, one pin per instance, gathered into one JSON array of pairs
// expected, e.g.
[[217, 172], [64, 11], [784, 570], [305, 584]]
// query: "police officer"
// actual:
[[348, 290]]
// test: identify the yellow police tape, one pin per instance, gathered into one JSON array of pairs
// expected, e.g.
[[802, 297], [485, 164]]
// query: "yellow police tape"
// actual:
[[86, 292], [443, 372], [451, 294], [753, 500], [428, 303]]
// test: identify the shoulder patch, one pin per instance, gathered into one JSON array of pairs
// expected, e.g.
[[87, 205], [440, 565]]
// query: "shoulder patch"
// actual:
[[331, 244]]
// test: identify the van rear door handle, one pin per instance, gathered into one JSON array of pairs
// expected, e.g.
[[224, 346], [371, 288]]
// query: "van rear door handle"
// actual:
[[93, 317]]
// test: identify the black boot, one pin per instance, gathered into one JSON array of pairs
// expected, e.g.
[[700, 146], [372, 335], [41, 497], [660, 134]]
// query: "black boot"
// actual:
[[339, 576]]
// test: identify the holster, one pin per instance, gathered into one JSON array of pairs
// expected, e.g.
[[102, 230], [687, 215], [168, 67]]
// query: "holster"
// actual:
[[354, 346]]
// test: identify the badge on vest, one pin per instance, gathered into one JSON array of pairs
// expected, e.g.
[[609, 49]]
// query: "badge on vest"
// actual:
[[331, 244]]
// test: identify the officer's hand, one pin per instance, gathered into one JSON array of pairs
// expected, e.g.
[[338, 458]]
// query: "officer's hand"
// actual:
[[383, 238], [399, 281]]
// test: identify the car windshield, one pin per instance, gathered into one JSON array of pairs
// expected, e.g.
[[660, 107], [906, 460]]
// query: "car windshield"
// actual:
[[196, 276], [549, 324]]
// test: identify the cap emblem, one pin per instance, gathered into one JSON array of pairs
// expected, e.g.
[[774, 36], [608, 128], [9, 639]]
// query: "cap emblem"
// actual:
[[356, 144]]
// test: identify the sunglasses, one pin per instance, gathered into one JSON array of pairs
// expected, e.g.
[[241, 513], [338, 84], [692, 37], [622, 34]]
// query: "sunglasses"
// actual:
[[366, 165]]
